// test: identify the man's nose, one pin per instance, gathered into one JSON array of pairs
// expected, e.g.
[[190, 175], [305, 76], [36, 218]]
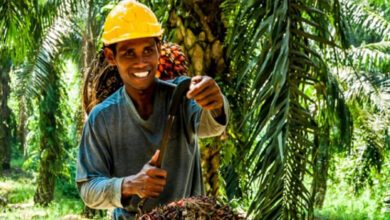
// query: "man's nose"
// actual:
[[140, 62]]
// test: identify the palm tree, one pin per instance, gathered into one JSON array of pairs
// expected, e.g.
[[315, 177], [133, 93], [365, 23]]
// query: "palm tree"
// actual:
[[269, 58], [56, 37], [198, 26], [13, 48], [365, 78]]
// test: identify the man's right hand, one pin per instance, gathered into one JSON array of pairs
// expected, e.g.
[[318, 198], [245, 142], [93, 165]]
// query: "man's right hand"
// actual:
[[149, 182]]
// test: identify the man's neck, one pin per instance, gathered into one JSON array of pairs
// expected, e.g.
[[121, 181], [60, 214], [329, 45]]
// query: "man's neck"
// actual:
[[143, 100]]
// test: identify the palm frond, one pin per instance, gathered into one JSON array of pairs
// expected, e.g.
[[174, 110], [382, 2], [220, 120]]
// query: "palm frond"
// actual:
[[367, 88], [366, 18], [13, 28], [383, 46], [46, 55], [275, 54], [368, 58]]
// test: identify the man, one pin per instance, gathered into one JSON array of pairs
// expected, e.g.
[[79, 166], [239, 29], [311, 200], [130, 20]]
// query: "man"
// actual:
[[119, 147]]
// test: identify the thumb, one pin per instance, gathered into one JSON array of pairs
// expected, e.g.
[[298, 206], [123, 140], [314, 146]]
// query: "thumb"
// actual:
[[194, 80], [154, 159]]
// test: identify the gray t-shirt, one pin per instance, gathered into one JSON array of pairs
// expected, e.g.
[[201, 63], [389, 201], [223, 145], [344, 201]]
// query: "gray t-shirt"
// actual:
[[117, 142]]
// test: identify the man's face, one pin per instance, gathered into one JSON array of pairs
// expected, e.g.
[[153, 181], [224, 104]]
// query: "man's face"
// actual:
[[136, 61]]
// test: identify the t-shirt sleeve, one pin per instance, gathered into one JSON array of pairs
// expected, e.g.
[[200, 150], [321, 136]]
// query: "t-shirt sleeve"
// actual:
[[97, 189], [208, 126]]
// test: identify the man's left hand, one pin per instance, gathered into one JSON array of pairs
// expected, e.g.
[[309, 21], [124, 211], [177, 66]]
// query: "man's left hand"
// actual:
[[206, 93]]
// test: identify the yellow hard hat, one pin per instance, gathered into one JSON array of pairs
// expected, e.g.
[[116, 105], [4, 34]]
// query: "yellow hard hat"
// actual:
[[130, 20]]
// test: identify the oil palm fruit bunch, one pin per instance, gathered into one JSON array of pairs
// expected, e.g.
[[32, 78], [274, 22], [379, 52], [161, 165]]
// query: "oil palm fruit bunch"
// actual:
[[200, 207], [172, 62]]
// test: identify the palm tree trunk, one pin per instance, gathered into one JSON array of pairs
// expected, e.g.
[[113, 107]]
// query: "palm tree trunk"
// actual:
[[201, 32], [210, 165], [21, 132], [5, 120], [320, 170], [50, 163], [46, 181]]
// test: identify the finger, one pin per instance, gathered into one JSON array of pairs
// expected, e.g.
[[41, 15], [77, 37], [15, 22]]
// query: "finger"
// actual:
[[152, 195], [154, 159], [210, 91], [154, 189], [210, 99], [146, 194], [199, 86], [151, 191], [155, 181], [196, 79], [154, 172]]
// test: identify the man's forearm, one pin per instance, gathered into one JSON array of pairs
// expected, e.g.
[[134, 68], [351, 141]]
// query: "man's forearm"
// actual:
[[102, 192]]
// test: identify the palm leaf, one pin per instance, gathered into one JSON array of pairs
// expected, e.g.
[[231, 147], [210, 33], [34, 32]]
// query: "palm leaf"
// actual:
[[286, 77], [366, 18], [47, 54]]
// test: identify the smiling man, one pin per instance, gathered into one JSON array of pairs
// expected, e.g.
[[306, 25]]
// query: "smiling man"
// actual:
[[119, 146]]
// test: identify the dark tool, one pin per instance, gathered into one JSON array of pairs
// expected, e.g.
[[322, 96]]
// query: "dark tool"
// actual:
[[178, 93]]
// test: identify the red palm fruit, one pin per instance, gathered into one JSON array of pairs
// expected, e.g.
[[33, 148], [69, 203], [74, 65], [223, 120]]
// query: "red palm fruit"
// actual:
[[168, 66], [162, 60], [182, 58], [176, 68], [180, 203], [158, 74], [161, 68]]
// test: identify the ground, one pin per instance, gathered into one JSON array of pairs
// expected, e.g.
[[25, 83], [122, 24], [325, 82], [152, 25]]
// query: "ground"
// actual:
[[16, 200]]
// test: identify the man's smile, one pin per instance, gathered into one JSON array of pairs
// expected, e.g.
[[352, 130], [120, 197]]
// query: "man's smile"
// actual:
[[141, 74]]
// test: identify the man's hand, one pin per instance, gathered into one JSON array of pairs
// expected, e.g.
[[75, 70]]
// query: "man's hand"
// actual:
[[149, 182], [206, 93]]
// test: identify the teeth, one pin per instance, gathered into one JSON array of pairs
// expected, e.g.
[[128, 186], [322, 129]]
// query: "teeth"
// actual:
[[141, 74]]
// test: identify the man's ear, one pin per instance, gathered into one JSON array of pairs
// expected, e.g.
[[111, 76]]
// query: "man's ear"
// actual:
[[109, 55]]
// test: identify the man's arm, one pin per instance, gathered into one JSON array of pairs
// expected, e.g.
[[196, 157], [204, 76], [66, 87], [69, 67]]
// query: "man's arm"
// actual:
[[208, 96], [96, 186], [101, 192]]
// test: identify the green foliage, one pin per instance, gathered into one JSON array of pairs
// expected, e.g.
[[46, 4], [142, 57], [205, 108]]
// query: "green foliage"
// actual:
[[291, 97], [342, 203], [19, 188], [294, 95]]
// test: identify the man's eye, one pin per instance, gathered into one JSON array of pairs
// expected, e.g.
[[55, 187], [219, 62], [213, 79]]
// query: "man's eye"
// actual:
[[148, 50], [129, 53]]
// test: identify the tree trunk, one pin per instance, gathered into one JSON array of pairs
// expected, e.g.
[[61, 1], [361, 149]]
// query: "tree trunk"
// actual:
[[320, 172], [5, 119], [210, 164], [46, 181], [50, 149], [22, 124], [201, 32]]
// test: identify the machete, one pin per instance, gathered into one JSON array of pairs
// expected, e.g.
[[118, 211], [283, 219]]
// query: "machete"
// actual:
[[174, 105]]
